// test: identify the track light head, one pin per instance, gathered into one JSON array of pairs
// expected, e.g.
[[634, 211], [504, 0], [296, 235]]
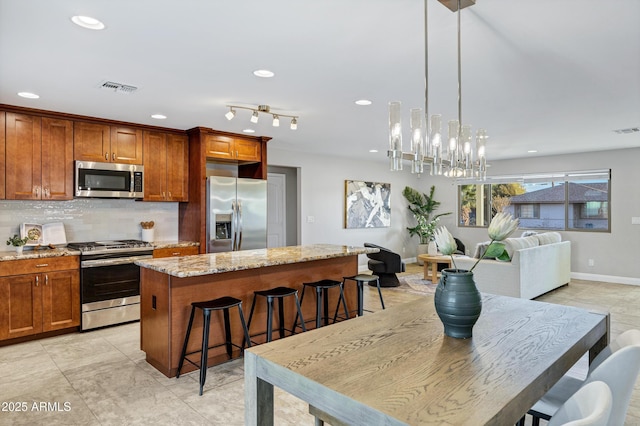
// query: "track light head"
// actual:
[[254, 117], [229, 115], [294, 123], [276, 121]]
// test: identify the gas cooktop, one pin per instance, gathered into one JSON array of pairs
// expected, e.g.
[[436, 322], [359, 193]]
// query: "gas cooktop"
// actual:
[[110, 246]]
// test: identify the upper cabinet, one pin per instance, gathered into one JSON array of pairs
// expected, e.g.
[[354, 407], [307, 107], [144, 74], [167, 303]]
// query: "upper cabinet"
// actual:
[[233, 149], [2, 153], [107, 144], [39, 158], [166, 166]]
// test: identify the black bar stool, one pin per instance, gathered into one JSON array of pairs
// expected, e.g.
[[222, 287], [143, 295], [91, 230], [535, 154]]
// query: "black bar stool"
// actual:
[[276, 293], [322, 300], [360, 280], [224, 303]]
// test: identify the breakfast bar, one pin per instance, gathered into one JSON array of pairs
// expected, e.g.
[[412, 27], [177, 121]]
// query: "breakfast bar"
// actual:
[[168, 286]]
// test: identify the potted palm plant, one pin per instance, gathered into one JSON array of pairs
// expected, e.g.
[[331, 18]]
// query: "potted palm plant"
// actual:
[[422, 207]]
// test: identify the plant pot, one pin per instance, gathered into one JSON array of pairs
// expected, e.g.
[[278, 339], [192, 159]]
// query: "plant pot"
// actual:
[[19, 250], [458, 302], [432, 248], [422, 249]]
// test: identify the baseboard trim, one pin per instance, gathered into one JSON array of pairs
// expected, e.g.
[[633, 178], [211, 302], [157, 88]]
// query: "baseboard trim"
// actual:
[[606, 278]]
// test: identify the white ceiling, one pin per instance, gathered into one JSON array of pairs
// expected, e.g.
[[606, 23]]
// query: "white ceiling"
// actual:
[[557, 76]]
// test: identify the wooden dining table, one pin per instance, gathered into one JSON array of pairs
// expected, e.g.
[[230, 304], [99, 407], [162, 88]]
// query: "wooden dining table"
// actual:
[[397, 367]]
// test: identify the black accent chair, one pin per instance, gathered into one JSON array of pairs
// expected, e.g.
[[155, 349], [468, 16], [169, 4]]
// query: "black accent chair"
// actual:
[[385, 264]]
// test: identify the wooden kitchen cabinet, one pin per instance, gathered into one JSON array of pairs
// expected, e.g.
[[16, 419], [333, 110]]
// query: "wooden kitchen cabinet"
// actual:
[[39, 295], [175, 251], [166, 166], [39, 158], [107, 144], [233, 149]]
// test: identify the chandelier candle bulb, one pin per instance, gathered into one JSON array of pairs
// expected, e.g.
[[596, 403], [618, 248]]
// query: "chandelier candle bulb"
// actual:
[[395, 135], [417, 144]]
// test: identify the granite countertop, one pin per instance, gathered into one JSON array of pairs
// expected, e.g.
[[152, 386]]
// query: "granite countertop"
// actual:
[[9, 252], [28, 253], [215, 263]]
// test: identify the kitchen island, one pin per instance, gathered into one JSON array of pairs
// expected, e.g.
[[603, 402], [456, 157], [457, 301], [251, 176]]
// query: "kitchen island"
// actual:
[[168, 286]]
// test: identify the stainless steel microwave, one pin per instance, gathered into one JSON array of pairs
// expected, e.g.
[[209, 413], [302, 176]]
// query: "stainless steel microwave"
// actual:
[[109, 180]]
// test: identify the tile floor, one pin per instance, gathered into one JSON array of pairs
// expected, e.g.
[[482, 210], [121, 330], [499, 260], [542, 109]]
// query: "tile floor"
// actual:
[[101, 377]]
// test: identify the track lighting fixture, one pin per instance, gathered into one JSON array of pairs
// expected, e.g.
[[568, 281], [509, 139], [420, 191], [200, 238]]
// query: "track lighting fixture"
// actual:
[[256, 115]]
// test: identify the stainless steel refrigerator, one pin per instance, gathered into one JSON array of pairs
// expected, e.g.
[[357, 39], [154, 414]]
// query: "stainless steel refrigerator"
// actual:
[[237, 214]]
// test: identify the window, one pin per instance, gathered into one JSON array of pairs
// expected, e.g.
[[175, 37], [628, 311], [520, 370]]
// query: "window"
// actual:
[[567, 201]]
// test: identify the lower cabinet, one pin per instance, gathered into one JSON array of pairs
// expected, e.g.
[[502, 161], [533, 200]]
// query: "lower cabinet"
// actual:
[[34, 303]]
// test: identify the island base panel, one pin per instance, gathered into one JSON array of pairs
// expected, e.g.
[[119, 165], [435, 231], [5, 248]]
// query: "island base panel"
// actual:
[[166, 306]]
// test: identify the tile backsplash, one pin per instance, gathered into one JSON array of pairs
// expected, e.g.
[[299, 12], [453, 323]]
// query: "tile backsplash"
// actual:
[[91, 219]]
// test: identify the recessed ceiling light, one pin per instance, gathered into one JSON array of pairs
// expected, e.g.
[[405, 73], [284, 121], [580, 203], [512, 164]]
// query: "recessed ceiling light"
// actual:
[[249, 131], [87, 22], [532, 151], [363, 102], [263, 73], [159, 116], [28, 95], [373, 150]]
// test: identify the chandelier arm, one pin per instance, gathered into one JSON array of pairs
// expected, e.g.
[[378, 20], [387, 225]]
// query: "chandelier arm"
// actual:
[[426, 68]]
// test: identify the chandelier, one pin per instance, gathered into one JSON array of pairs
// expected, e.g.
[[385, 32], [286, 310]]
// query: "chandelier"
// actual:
[[266, 109], [454, 157]]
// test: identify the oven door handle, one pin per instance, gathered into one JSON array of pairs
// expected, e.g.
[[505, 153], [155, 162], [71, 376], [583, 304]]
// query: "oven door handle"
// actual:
[[112, 262]]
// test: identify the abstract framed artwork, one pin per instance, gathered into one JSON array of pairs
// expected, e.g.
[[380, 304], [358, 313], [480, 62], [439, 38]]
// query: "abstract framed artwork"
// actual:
[[367, 204]]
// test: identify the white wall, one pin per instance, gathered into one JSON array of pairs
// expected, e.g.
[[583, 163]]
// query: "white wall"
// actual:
[[322, 187], [615, 254]]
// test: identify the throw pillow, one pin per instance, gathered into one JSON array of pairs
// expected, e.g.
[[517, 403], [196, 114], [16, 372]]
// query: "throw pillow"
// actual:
[[513, 244], [548, 238]]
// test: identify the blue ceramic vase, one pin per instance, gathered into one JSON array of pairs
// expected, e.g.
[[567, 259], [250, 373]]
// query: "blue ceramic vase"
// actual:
[[458, 302]]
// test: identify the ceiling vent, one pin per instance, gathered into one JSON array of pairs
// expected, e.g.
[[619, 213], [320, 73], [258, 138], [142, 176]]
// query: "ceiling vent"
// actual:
[[118, 87], [627, 131]]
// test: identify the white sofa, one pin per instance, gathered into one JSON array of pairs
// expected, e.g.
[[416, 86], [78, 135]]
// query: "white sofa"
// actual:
[[539, 263]]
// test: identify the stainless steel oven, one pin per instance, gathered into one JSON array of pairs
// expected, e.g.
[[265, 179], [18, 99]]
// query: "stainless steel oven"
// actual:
[[110, 281]]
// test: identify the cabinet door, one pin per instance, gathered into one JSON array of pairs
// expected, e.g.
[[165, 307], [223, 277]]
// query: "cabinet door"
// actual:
[[247, 150], [126, 145], [20, 306], [2, 153], [57, 159], [177, 168], [222, 147], [23, 157], [155, 165], [91, 142], [60, 300]]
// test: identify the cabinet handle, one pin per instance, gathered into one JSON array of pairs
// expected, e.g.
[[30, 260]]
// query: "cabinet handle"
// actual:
[[164, 196], [36, 191], [169, 194], [106, 156], [37, 280], [46, 193], [46, 279], [175, 254], [237, 154], [42, 265], [113, 156]]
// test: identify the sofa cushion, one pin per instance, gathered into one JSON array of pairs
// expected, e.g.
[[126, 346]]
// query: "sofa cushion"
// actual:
[[514, 244], [548, 238]]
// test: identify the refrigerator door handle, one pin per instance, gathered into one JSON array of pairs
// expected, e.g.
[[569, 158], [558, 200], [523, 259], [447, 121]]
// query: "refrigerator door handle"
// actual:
[[240, 225], [234, 226]]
